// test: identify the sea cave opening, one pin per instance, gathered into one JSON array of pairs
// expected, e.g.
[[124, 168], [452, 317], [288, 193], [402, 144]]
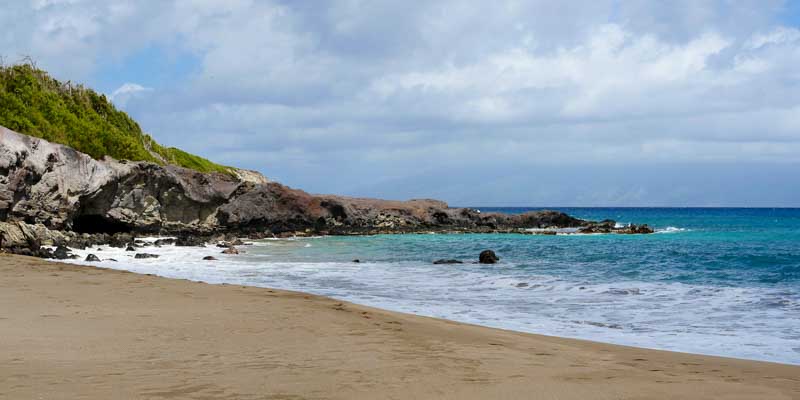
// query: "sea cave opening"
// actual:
[[98, 224]]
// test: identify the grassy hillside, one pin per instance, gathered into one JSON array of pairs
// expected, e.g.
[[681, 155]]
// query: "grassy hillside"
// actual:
[[33, 103]]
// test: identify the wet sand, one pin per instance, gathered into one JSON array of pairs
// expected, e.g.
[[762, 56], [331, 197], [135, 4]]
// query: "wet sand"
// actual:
[[71, 332]]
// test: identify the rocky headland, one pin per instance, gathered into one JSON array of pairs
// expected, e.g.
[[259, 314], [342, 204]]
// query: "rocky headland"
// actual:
[[51, 194]]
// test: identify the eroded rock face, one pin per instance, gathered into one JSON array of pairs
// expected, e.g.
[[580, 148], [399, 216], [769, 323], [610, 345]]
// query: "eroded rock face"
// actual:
[[60, 188]]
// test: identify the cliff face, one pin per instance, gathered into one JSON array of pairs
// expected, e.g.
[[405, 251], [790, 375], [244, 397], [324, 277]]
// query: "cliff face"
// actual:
[[51, 184], [54, 187]]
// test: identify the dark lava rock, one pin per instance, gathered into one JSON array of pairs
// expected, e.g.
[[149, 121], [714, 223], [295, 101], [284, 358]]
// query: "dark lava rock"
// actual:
[[488, 257], [92, 257], [209, 258], [120, 240], [61, 253], [186, 241], [77, 243], [45, 253], [356, 261], [145, 255], [443, 261], [130, 248], [164, 242]]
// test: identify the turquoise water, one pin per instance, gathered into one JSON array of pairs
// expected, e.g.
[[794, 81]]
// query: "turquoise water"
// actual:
[[712, 281]]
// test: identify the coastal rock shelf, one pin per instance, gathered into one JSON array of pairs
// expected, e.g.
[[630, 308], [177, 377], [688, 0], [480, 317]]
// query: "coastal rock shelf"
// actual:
[[53, 194]]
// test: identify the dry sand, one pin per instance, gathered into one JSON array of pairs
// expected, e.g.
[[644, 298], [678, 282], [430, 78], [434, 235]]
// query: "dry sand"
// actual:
[[70, 332]]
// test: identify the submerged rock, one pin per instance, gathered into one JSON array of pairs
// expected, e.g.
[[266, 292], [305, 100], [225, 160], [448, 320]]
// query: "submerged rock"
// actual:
[[145, 255], [230, 250], [488, 257], [92, 258], [444, 261], [209, 258], [631, 291]]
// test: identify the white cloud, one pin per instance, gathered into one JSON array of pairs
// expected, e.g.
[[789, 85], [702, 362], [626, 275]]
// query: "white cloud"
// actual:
[[126, 92], [780, 35]]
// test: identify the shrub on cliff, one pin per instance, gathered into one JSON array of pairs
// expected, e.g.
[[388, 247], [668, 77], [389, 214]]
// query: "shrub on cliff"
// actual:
[[33, 103]]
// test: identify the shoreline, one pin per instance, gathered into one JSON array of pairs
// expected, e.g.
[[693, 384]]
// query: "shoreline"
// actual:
[[104, 333]]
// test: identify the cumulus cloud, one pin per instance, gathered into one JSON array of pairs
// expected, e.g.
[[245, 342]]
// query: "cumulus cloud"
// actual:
[[384, 93], [124, 93]]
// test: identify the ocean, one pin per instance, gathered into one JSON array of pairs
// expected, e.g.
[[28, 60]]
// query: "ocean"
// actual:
[[718, 281]]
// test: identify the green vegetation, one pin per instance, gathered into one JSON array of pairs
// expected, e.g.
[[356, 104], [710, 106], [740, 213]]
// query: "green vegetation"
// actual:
[[33, 103]]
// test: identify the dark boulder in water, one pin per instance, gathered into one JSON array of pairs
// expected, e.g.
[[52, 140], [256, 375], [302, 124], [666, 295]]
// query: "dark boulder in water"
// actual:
[[92, 258], [61, 253], [209, 258], [444, 261], [145, 255], [44, 253], [130, 248], [488, 257], [356, 261]]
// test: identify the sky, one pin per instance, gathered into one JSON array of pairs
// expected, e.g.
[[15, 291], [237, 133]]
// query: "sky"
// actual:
[[501, 103]]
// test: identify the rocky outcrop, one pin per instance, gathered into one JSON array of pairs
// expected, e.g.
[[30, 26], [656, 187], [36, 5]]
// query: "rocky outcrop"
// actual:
[[609, 226], [52, 194], [54, 185]]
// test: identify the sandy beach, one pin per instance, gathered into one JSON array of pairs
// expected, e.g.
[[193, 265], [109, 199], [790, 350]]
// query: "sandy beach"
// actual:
[[71, 332]]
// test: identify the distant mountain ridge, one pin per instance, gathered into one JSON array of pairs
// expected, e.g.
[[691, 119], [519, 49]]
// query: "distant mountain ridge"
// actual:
[[34, 103]]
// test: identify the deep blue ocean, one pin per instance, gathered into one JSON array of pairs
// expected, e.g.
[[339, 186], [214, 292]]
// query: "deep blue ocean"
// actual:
[[722, 281]]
